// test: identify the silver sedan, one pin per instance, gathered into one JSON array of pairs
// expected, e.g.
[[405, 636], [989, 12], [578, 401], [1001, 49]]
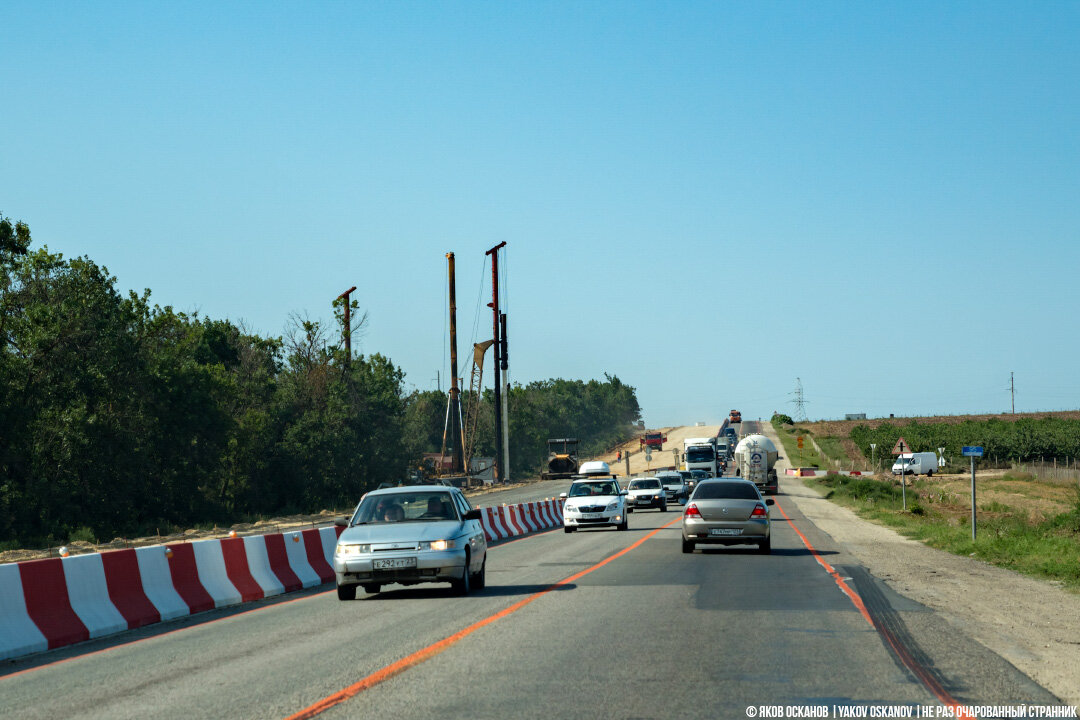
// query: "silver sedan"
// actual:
[[411, 535], [727, 512]]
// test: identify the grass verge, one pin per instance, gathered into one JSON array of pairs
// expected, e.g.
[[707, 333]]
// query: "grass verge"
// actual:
[[1047, 548], [807, 457]]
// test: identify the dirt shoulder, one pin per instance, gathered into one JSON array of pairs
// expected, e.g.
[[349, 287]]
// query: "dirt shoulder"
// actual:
[[1034, 624]]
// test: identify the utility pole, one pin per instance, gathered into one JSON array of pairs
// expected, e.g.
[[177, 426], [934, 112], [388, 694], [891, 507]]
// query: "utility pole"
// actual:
[[504, 355], [347, 333], [457, 453], [1012, 392], [494, 305]]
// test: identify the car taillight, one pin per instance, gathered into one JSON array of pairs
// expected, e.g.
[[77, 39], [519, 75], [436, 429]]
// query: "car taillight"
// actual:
[[692, 511], [759, 511]]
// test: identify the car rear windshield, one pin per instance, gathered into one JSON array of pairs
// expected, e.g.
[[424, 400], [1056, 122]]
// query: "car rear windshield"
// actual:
[[732, 490], [405, 507], [583, 489]]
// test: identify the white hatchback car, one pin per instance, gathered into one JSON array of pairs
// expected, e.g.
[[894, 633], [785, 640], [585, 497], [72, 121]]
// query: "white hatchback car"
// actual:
[[594, 502]]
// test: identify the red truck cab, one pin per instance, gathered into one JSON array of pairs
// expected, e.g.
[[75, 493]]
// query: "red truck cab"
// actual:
[[653, 440]]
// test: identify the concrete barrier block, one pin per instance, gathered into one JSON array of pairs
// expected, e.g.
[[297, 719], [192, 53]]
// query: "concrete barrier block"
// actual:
[[157, 582], [89, 595], [126, 588], [47, 602], [298, 561], [212, 573], [258, 560], [18, 633]]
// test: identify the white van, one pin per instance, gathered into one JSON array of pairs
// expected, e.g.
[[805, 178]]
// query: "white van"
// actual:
[[921, 463]]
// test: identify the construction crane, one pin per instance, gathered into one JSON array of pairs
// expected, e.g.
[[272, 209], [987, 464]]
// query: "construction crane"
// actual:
[[472, 409]]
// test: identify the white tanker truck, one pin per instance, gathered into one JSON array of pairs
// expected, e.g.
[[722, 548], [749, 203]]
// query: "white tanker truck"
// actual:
[[755, 460]]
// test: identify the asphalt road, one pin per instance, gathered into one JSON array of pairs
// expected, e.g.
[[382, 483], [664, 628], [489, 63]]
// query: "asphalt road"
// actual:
[[650, 633]]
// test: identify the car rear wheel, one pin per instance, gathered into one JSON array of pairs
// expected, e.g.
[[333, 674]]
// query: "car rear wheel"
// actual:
[[687, 546], [346, 592], [765, 546], [371, 588]]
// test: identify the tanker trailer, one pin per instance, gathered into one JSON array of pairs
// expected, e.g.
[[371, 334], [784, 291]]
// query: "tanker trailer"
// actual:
[[755, 460]]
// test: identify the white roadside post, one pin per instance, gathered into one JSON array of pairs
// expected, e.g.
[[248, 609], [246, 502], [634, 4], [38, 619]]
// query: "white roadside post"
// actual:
[[972, 452], [873, 455]]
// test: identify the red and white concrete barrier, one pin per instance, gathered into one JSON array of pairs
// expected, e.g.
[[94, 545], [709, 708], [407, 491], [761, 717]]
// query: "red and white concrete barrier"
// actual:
[[51, 603], [507, 521], [84, 576], [19, 635], [818, 472]]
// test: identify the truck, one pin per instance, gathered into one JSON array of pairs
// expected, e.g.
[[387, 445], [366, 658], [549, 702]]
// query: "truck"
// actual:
[[724, 448], [562, 459], [700, 454], [653, 440], [755, 460], [735, 417]]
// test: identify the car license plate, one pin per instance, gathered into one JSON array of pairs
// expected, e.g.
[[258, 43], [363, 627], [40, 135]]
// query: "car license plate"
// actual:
[[393, 563], [592, 516], [726, 531]]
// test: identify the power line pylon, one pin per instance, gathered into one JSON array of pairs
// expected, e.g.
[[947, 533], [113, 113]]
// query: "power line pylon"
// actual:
[[800, 401]]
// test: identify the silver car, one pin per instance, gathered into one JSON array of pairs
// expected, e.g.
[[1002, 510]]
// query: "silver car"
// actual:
[[730, 511], [674, 485], [645, 493], [410, 535]]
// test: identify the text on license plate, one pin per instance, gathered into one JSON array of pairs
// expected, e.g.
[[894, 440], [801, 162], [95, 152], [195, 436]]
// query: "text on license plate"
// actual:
[[726, 531], [592, 516], [393, 563]]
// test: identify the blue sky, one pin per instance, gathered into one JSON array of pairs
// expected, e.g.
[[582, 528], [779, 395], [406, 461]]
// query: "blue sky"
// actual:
[[705, 199]]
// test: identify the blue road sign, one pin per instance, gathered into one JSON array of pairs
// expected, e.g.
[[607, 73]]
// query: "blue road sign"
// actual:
[[972, 451]]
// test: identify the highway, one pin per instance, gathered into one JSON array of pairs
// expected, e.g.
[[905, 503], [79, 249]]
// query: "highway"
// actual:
[[594, 624]]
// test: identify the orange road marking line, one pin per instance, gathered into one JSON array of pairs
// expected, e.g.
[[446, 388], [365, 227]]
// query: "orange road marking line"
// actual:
[[434, 649]]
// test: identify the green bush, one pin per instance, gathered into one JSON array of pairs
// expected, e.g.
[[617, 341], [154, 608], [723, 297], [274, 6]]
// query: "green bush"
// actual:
[[863, 488], [83, 534]]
